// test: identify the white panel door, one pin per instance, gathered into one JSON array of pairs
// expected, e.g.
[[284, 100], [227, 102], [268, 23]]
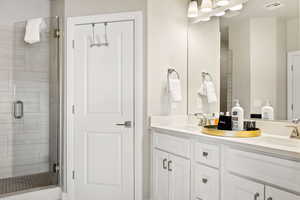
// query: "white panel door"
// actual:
[[160, 175], [179, 178], [103, 97], [275, 194], [237, 188]]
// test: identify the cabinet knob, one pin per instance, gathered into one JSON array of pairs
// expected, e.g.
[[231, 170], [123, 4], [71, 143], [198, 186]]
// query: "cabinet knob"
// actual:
[[169, 166], [256, 196], [204, 180], [205, 154], [165, 163]]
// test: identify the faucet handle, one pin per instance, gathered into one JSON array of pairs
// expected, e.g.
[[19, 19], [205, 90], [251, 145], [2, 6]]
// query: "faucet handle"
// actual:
[[296, 121]]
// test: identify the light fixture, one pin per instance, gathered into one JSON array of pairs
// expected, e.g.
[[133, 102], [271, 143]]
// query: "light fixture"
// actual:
[[236, 7], [219, 14], [206, 6], [193, 9], [204, 19], [222, 2]]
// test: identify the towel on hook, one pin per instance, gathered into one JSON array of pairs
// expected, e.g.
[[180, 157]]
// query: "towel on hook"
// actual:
[[175, 89], [33, 29], [207, 89]]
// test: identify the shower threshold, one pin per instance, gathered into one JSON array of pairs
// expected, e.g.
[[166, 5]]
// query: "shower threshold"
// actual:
[[13, 185]]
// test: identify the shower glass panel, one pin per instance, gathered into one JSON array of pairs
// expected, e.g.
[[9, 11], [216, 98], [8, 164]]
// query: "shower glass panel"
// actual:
[[29, 108]]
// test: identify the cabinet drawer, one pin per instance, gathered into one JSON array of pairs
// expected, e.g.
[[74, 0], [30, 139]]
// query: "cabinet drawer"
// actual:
[[175, 145], [206, 183], [276, 171], [207, 154], [273, 194]]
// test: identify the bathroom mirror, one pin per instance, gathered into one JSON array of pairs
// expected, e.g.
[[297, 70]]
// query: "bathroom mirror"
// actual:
[[252, 55]]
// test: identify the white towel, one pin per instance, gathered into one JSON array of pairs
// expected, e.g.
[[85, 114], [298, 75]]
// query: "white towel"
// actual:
[[33, 29], [175, 90], [207, 89]]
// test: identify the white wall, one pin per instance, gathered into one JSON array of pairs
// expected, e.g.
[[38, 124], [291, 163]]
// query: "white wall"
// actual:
[[167, 47], [204, 55]]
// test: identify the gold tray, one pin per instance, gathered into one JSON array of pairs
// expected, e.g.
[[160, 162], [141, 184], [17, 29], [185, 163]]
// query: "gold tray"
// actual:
[[212, 130]]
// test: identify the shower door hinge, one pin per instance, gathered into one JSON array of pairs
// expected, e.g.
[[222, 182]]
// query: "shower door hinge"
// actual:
[[73, 109], [55, 168], [57, 33], [73, 175]]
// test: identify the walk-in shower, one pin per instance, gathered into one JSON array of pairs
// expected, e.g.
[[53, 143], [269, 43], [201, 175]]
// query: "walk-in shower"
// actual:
[[29, 108]]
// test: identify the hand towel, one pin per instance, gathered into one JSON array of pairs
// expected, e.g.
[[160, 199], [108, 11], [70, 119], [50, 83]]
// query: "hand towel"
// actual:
[[33, 28], [211, 92], [175, 90]]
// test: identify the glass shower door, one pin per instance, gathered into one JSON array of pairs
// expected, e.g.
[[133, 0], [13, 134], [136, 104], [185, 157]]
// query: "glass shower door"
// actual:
[[29, 127]]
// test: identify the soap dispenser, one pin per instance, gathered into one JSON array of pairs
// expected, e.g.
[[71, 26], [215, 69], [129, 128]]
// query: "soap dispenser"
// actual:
[[267, 111], [237, 116]]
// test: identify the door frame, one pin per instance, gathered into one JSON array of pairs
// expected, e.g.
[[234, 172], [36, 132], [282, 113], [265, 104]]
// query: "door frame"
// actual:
[[290, 83], [139, 96]]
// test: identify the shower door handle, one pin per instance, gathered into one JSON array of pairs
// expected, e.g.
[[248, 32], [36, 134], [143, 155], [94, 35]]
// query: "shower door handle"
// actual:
[[18, 109]]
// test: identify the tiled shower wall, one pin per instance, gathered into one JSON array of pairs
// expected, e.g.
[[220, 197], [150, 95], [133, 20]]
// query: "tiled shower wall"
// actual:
[[24, 75]]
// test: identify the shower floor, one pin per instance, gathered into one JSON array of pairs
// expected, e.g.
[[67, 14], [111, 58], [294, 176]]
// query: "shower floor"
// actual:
[[16, 184]]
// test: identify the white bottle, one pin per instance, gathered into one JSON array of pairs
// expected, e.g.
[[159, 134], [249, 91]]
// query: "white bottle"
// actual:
[[237, 116], [267, 111]]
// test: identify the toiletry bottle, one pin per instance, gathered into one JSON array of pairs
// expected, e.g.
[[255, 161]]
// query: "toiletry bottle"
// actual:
[[237, 116], [267, 111]]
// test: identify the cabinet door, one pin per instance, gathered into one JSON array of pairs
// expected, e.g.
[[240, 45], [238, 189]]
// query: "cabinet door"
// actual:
[[206, 183], [275, 194], [179, 178], [237, 188], [160, 175]]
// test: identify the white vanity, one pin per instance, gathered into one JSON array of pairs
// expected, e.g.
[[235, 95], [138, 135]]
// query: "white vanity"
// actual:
[[188, 165]]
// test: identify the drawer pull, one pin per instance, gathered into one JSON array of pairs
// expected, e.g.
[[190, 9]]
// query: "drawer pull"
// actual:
[[205, 154], [256, 196], [169, 166], [204, 180], [165, 163]]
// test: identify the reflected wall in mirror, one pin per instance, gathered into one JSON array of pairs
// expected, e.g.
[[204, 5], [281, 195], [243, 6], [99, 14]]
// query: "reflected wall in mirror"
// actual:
[[252, 55]]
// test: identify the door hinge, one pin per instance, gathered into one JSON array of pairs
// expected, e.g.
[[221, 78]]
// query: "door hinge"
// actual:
[[73, 44], [292, 67], [73, 175], [57, 33], [55, 168], [73, 109]]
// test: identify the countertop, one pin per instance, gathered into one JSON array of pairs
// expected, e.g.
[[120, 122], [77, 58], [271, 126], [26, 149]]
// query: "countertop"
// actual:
[[275, 144]]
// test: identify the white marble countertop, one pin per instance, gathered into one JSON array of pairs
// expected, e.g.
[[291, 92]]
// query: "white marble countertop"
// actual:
[[276, 144]]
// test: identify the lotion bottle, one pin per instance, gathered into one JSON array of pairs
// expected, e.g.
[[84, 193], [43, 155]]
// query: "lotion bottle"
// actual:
[[237, 116], [267, 111]]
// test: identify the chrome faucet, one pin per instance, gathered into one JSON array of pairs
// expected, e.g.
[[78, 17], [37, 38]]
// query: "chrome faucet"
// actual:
[[203, 121], [295, 132]]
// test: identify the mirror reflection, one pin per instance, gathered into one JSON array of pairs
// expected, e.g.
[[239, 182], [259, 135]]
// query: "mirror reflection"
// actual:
[[248, 57]]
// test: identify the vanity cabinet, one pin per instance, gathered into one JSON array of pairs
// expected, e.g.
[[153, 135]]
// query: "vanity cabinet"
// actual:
[[171, 168], [192, 168]]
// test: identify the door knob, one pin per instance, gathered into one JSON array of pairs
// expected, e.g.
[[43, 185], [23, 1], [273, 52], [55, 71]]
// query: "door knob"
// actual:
[[126, 124]]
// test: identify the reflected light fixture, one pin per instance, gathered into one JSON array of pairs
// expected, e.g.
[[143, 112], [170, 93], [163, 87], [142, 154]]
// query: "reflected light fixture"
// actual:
[[206, 6], [193, 9], [222, 2], [219, 14], [236, 7]]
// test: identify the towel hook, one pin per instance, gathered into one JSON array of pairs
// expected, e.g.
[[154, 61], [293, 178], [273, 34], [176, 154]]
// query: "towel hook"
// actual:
[[204, 74], [171, 71], [94, 42]]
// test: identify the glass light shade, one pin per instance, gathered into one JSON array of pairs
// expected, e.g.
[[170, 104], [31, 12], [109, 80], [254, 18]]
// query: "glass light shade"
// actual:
[[222, 2], [219, 14], [193, 9], [237, 7], [204, 19], [206, 6]]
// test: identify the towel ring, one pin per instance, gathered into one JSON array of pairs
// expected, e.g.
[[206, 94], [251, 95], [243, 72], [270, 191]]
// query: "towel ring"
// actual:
[[171, 71], [204, 74]]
